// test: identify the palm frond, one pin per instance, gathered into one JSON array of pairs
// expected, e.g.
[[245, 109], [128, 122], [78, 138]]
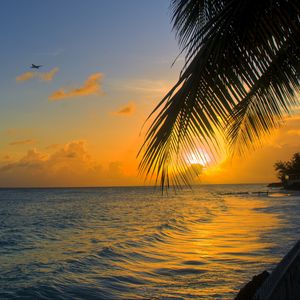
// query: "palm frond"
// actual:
[[241, 74], [270, 98]]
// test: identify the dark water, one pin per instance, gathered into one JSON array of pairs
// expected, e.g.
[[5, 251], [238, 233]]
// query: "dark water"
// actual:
[[131, 243]]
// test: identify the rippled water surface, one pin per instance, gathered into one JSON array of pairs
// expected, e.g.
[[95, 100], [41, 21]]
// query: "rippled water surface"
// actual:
[[131, 243]]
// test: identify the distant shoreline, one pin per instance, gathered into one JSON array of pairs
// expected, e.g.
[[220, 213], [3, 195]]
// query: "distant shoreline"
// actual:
[[126, 186]]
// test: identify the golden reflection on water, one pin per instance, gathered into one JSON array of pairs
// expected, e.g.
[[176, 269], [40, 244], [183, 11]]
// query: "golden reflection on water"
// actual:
[[201, 246], [212, 251]]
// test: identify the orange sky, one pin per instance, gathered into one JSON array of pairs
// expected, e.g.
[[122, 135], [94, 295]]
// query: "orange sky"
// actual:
[[82, 162], [77, 120], [257, 166]]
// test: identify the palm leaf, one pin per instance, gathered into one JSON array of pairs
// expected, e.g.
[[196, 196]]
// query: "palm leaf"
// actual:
[[241, 74]]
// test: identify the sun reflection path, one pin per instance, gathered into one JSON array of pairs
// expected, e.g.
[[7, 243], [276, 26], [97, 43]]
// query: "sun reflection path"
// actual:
[[135, 245], [214, 253]]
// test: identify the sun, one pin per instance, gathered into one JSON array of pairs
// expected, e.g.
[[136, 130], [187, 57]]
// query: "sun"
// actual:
[[201, 158]]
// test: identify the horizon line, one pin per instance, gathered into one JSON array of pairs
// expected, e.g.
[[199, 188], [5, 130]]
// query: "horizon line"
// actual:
[[122, 186]]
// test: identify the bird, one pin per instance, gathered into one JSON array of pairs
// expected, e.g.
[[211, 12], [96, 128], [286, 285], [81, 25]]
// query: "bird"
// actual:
[[33, 66]]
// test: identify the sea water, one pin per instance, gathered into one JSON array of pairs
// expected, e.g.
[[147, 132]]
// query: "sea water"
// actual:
[[134, 243]]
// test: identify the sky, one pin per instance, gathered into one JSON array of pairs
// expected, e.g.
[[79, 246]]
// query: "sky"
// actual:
[[77, 121]]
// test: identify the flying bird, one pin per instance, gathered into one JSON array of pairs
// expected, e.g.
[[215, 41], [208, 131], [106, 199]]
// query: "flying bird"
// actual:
[[33, 66]]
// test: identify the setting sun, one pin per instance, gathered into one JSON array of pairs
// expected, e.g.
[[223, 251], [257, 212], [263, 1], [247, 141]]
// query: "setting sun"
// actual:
[[143, 145], [202, 158]]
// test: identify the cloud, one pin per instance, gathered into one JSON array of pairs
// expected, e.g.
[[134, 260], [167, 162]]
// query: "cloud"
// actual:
[[26, 76], [43, 76], [126, 110], [22, 142], [48, 76], [32, 160], [294, 132], [52, 146], [68, 165], [92, 86], [70, 158]]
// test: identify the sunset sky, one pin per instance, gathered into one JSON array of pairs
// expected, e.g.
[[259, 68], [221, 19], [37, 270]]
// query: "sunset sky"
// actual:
[[77, 121]]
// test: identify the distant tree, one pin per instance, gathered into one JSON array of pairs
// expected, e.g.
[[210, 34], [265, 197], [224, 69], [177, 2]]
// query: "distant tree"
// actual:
[[289, 167]]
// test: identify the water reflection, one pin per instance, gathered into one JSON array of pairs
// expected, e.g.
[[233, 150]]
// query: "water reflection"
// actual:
[[133, 244]]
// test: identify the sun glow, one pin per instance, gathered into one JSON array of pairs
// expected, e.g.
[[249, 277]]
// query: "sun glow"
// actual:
[[201, 158]]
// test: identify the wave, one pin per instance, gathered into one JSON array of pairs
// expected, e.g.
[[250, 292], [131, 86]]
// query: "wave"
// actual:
[[133, 244]]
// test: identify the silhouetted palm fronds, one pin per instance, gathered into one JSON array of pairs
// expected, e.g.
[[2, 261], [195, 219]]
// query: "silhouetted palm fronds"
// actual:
[[240, 77]]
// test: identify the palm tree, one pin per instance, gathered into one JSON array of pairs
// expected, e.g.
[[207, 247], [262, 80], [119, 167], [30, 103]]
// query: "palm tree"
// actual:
[[286, 168], [240, 78]]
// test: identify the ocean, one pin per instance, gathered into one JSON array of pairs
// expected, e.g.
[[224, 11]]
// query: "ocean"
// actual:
[[134, 243]]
